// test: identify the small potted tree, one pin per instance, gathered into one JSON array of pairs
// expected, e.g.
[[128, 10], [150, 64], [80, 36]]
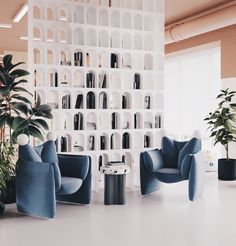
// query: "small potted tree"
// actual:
[[18, 114], [222, 127]]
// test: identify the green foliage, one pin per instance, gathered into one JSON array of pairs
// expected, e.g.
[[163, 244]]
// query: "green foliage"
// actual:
[[222, 121], [7, 163], [16, 110], [17, 115]]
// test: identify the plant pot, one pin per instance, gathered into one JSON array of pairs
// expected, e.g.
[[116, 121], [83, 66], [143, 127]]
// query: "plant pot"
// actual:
[[10, 194], [227, 169], [2, 208]]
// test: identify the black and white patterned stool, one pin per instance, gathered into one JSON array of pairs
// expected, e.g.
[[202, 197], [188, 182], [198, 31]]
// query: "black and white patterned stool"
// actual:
[[114, 190]]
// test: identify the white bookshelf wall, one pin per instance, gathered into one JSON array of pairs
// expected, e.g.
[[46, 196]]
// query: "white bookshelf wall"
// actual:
[[80, 50]]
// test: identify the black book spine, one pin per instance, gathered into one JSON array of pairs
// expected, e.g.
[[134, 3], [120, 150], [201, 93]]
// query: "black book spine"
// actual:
[[76, 122], [113, 121]]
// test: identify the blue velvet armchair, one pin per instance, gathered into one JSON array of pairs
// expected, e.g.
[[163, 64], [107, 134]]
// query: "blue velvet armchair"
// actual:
[[43, 177], [174, 162]]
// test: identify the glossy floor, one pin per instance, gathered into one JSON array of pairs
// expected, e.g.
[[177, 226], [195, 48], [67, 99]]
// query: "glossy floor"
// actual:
[[165, 218]]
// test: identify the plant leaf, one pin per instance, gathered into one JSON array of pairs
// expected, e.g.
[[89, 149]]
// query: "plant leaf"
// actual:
[[40, 123], [19, 124], [21, 98], [18, 89], [35, 132], [7, 61], [19, 73]]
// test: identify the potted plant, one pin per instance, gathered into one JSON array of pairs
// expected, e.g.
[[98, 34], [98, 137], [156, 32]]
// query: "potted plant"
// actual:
[[222, 127], [18, 114]]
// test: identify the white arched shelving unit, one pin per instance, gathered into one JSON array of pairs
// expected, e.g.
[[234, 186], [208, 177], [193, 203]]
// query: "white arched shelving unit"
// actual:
[[99, 65]]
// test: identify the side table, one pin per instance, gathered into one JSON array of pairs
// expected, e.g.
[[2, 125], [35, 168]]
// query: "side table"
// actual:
[[114, 190]]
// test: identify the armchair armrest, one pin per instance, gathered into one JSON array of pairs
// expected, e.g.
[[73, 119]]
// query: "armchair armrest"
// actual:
[[150, 161], [153, 160], [76, 166], [186, 165], [197, 175], [35, 188]]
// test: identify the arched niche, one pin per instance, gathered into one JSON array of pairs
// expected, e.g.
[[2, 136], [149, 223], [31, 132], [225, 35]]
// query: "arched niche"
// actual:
[[66, 99], [65, 57], [148, 23], [38, 33], [65, 35], [79, 15], [50, 57], [115, 80], [103, 17], [65, 78], [115, 141], [138, 42], [65, 13], [52, 11], [91, 37], [38, 59], [103, 59], [127, 121], [138, 22], [103, 38], [39, 77], [148, 62], [51, 34], [126, 41], [79, 78], [102, 100], [148, 120], [127, 4], [53, 78], [115, 39], [79, 36], [91, 121], [91, 16], [38, 10], [127, 20], [148, 5], [127, 60], [115, 19], [148, 42], [138, 4]]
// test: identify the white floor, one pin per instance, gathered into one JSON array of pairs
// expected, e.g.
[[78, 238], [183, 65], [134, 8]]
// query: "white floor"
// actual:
[[165, 218]]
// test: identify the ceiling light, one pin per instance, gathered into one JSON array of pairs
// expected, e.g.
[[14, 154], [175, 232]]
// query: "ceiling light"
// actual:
[[2, 25], [26, 38], [23, 37], [21, 13]]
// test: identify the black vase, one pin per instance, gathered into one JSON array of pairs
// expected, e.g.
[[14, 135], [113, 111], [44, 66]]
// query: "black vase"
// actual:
[[227, 169]]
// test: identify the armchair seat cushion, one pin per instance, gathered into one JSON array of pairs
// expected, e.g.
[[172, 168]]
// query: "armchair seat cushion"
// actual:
[[69, 185], [168, 175]]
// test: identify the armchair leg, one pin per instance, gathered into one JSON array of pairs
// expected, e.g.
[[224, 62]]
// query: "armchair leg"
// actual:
[[196, 176], [148, 182]]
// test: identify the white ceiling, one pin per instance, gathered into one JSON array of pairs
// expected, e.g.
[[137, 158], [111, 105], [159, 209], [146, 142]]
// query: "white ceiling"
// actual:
[[175, 11]]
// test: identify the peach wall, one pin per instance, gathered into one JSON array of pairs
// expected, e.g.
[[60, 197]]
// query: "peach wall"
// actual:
[[226, 35]]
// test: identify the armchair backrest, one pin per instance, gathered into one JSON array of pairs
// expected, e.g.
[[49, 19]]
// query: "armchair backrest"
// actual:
[[42, 153], [175, 151]]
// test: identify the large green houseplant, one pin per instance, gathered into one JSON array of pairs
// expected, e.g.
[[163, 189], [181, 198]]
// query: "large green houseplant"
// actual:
[[222, 127], [18, 114]]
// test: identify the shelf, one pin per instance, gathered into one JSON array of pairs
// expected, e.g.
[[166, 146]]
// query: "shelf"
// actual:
[[99, 64]]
